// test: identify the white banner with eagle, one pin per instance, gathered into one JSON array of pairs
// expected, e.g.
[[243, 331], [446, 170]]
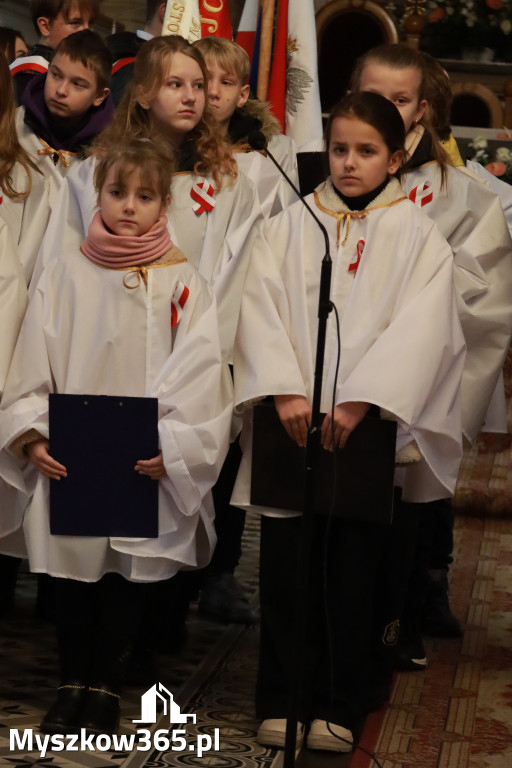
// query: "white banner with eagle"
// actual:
[[303, 111]]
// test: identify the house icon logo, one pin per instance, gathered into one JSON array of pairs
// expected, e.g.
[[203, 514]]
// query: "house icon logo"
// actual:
[[148, 707]]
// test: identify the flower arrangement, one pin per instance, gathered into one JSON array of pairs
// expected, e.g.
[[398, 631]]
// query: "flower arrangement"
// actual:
[[455, 25], [500, 165]]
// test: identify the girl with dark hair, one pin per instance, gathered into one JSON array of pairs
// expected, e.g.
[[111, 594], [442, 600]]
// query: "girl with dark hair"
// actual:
[[12, 44], [391, 269]]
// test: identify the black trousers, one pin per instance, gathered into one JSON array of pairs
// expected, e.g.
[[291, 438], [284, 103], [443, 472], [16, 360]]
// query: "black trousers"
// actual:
[[229, 521], [353, 603], [94, 623], [433, 551]]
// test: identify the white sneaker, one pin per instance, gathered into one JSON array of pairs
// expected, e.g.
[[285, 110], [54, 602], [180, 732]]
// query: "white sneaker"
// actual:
[[329, 736], [272, 733]]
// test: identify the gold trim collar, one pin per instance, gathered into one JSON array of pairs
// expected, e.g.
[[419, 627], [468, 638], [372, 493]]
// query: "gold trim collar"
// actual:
[[328, 201]]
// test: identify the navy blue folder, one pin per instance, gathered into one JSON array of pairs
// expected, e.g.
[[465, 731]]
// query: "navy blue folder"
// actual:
[[365, 469], [99, 439]]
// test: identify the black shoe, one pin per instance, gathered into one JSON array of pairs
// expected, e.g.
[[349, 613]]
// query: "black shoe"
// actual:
[[438, 619], [138, 666], [64, 715], [222, 599], [102, 710], [410, 653]]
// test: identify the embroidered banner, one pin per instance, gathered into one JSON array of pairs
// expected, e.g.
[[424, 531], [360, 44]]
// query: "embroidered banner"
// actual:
[[182, 18]]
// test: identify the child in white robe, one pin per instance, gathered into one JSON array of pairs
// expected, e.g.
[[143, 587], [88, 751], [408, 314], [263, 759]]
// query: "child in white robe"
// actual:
[[123, 315], [391, 270], [18, 176], [470, 216], [238, 116], [61, 112], [213, 210]]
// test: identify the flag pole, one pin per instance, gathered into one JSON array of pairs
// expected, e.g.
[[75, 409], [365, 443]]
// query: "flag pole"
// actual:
[[267, 34]]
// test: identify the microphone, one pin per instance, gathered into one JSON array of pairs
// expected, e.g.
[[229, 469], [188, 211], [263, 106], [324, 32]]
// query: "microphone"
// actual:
[[258, 142]]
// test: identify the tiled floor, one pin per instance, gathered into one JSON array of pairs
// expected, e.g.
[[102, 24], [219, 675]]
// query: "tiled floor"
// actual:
[[456, 715]]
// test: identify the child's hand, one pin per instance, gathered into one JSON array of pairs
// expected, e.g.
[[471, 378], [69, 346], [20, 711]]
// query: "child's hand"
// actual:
[[38, 454], [295, 414], [346, 418], [153, 468]]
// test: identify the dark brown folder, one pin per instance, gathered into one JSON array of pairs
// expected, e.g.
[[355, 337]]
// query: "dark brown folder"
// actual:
[[99, 439], [364, 469]]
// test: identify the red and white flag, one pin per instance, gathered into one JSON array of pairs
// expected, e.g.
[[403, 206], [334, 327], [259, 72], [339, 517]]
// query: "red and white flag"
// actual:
[[246, 35], [292, 85]]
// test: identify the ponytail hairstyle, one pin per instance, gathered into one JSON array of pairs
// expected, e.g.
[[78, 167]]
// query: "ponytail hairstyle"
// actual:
[[131, 120], [400, 56], [375, 110], [11, 151], [438, 94]]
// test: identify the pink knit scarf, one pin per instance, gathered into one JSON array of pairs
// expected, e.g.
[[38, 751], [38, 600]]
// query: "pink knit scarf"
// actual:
[[118, 251]]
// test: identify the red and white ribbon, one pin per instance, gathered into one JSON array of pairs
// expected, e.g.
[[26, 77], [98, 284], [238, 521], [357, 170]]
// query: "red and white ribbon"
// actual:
[[352, 267], [422, 194], [202, 194], [178, 301], [32, 64]]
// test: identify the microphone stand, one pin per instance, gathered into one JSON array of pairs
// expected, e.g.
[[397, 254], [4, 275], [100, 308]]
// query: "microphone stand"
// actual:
[[311, 463]]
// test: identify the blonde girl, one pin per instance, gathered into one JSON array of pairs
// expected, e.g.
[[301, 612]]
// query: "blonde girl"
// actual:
[[213, 209]]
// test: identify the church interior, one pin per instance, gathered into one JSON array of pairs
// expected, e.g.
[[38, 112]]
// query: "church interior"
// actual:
[[455, 713]]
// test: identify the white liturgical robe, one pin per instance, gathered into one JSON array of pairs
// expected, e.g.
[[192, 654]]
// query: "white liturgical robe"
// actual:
[[91, 330], [402, 347]]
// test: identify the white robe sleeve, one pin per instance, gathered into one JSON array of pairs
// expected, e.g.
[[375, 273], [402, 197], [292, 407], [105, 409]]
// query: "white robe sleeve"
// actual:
[[470, 217], [13, 300]]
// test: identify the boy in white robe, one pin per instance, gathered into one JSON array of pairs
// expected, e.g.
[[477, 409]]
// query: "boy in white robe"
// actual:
[[124, 315], [62, 111], [240, 116]]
